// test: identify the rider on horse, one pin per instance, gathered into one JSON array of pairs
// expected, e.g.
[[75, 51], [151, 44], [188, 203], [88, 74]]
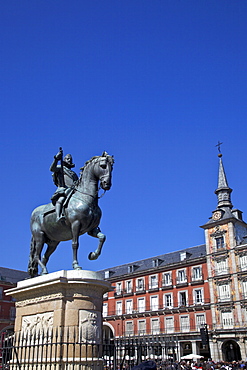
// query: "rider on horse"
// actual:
[[64, 178]]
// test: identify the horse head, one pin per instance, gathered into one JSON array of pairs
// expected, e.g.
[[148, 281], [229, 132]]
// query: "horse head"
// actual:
[[100, 168], [103, 170]]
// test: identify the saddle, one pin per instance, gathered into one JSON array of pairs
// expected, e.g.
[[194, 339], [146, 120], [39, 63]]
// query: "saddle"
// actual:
[[50, 208]]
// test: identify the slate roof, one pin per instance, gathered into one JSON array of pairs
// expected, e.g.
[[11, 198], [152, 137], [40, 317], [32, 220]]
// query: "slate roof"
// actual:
[[12, 276], [164, 260]]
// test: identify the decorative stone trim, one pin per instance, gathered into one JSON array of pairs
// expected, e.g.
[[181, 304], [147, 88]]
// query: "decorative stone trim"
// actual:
[[36, 300]]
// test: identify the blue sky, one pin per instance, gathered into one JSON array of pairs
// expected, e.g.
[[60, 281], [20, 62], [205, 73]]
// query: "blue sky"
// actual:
[[155, 83]]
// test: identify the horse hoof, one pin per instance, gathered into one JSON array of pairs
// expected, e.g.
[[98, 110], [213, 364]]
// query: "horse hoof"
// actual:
[[76, 267], [92, 256]]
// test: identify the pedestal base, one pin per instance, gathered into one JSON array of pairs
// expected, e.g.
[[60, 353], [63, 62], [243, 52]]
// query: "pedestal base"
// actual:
[[59, 320]]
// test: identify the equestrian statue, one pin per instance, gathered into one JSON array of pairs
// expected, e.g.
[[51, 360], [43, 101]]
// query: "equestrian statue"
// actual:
[[73, 211]]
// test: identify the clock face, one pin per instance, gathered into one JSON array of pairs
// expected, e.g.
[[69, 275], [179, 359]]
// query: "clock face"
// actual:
[[217, 215]]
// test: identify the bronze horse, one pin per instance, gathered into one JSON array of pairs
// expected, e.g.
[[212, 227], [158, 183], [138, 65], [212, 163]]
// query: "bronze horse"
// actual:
[[82, 215]]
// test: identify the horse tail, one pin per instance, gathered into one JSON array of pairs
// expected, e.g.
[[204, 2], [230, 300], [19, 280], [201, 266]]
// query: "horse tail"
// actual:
[[32, 264]]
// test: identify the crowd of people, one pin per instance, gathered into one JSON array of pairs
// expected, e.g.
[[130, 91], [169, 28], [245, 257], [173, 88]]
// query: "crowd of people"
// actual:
[[203, 365]]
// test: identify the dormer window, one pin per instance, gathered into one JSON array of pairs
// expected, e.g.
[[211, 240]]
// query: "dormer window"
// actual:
[[182, 256]]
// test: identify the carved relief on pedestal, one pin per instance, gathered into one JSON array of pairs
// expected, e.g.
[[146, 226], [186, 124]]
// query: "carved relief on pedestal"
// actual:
[[37, 324], [90, 326]]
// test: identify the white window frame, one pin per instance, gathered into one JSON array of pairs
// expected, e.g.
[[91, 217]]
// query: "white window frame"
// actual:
[[154, 307], [140, 284], [119, 288], [227, 319], [155, 329], [195, 296], [153, 281], [128, 286], [105, 309], [183, 277], [165, 300], [200, 320], [221, 267], [139, 322], [197, 273], [243, 262], [184, 328], [179, 298], [224, 292], [142, 307], [169, 328], [129, 331], [167, 281], [129, 306], [119, 308]]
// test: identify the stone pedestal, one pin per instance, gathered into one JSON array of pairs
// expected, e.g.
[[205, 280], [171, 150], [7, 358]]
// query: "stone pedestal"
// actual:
[[59, 320]]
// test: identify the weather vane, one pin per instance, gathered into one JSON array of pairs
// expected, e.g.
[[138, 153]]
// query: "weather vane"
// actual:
[[218, 145]]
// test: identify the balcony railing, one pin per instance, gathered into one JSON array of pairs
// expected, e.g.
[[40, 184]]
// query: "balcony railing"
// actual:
[[226, 298], [182, 281], [189, 304], [220, 271]]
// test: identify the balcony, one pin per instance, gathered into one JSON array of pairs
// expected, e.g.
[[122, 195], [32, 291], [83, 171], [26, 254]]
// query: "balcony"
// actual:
[[166, 285], [224, 299], [153, 287], [118, 293], [222, 272], [140, 289], [242, 268], [127, 292], [182, 281], [197, 279]]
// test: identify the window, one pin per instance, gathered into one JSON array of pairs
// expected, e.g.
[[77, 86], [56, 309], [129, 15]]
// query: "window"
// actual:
[[153, 282], [244, 289], [128, 286], [184, 323], [129, 306], [182, 298], [220, 242], [224, 292], [119, 308], [105, 309], [200, 321], [140, 284], [1, 293], [182, 256], [227, 319], [169, 324], [196, 273], [154, 303], [12, 313], [198, 296], [243, 262], [181, 276], [118, 288], [155, 326], [129, 328], [141, 304], [168, 300], [221, 266], [141, 326], [105, 295], [167, 279]]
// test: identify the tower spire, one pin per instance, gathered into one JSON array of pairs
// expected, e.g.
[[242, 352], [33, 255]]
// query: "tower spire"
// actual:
[[223, 191]]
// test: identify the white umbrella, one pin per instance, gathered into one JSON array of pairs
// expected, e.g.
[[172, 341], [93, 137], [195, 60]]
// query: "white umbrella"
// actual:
[[192, 356]]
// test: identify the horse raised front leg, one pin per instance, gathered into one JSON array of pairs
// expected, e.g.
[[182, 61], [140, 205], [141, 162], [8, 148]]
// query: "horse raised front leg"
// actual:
[[75, 228], [96, 233]]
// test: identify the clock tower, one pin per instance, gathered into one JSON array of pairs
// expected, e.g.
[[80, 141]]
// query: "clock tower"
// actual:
[[226, 247]]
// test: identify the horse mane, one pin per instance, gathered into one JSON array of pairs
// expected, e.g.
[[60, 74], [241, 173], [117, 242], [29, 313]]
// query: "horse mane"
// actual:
[[104, 155]]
